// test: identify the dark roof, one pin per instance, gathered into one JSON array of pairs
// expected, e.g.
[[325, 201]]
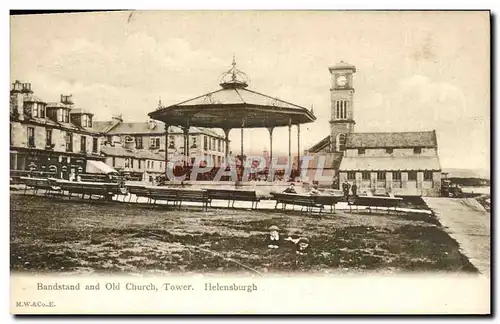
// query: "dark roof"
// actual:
[[32, 98], [66, 126], [396, 139], [227, 107], [325, 142], [58, 105]]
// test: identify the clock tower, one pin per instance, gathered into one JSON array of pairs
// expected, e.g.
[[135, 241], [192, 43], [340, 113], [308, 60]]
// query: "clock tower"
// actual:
[[342, 93]]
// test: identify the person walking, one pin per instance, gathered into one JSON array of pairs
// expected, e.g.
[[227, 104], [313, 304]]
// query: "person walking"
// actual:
[[345, 189], [354, 189]]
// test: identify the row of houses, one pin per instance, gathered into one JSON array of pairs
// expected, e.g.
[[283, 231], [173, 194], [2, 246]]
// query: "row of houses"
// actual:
[[61, 139]]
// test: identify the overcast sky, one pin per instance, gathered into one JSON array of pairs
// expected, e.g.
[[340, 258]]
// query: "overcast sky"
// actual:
[[415, 70]]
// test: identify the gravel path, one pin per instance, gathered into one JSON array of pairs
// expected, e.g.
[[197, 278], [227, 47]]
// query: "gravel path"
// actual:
[[469, 225]]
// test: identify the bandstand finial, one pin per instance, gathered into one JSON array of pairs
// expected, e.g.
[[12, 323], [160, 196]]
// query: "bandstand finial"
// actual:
[[234, 78], [234, 68]]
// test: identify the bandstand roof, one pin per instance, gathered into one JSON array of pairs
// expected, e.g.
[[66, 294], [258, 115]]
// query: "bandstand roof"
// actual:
[[234, 106]]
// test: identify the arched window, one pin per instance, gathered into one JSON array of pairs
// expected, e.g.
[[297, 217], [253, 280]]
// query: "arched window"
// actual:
[[340, 143]]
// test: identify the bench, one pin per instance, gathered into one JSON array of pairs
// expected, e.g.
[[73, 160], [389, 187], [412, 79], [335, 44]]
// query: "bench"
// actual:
[[375, 201], [138, 191], [116, 189], [328, 200], [192, 196], [39, 183], [84, 188], [295, 199], [177, 196], [166, 194], [232, 196]]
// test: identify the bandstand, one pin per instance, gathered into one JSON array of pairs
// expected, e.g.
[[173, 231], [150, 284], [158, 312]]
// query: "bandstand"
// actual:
[[231, 107]]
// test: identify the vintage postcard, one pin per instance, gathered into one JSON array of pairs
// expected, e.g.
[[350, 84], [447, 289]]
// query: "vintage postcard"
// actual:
[[250, 162]]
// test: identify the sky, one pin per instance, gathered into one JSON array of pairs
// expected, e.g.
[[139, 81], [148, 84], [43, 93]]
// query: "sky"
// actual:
[[415, 70]]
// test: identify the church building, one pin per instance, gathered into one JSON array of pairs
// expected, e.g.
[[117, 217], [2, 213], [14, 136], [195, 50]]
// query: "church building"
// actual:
[[401, 163]]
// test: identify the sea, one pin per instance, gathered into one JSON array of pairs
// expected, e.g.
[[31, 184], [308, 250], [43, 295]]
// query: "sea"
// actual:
[[478, 190]]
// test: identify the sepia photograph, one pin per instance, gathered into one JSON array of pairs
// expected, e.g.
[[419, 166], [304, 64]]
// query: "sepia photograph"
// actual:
[[223, 157]]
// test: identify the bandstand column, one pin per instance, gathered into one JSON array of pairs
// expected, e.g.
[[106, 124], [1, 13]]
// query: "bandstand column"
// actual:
[[298, 149], [270, 129], [290, 143], [186, 143], [166, 148], [226, 152], [242, 126]]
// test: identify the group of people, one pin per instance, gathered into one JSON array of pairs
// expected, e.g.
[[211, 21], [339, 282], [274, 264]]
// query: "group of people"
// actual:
[[313, 191], [298, 243], [346, 187]]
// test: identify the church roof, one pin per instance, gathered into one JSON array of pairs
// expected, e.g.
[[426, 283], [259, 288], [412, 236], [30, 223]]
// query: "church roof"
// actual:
[[325, 142], [393, 140], [388, 163], [382, 140]]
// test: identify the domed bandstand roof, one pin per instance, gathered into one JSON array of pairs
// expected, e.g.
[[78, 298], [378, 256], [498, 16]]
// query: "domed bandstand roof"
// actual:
[[233, 106]]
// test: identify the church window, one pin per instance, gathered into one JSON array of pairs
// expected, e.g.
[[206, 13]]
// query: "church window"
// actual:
[[341, 109], [340, 145]]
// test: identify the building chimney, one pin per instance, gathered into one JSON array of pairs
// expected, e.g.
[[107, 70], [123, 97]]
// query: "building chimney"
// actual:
[[17, 86], [152, 124], [17, 100], [27, 88], [66, 99]]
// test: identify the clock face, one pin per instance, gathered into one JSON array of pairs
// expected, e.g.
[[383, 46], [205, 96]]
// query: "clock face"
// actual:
[[341, 81]]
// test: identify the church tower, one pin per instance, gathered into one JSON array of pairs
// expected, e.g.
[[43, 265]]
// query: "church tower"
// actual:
[[342, 93]]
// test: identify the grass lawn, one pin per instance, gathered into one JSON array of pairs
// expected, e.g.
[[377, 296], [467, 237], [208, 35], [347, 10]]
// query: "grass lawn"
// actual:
[[57, 235]]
